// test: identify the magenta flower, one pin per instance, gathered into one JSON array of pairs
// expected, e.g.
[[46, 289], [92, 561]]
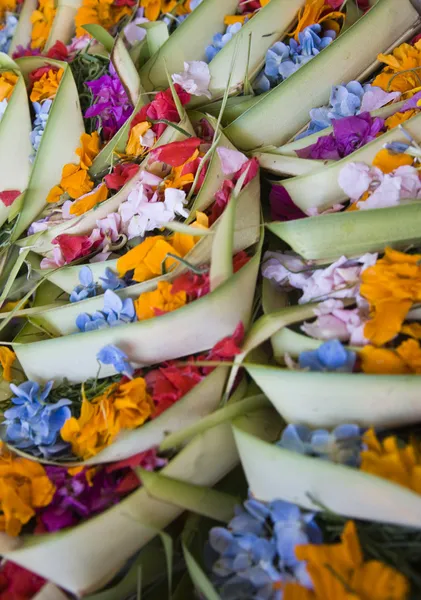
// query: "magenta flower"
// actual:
[[282, 208], [77, 499], [111, 105], [349, 134]]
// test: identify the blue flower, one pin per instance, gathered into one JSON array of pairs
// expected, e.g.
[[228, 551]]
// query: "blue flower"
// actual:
[[311, 43], [220, 40], [257, 549], [397, 147], [87, 287], [111, 355], [343, 445], [345, 101], [330, 356], [115, 312], [41, 117], [8, 31], [33, 425], [111, 281]]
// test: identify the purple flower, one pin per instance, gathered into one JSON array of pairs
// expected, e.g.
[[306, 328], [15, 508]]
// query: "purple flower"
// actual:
[[282, 207], [76, 498], [412, 103], [326, 148], [349, 134], [111, 105]]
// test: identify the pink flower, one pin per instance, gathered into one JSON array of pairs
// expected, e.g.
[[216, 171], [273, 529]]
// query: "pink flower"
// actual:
[[336, 322], [403, 183], [231, 160], [356, 178], [375, 98], [195, 79]]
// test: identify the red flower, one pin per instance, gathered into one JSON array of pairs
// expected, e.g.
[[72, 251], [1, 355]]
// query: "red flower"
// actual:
[[38, 73], [120, 176], [9, 196], [16, 583], [74, 246], [220, 201], [129, 3], [253, 168], [176, 153], [335, 4], [229, 347], [170, 383], [58, 51], [194, 285], [240, 260], [162, 107], [147, 460]]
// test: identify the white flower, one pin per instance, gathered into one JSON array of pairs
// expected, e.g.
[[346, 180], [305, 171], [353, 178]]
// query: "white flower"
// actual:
[[175, 201], [195, 79], [148, 140], [110, 226], [133, 205]]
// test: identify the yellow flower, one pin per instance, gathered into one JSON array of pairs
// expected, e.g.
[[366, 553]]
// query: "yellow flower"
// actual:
[[149, 304], [88, 150], [399, 118], [133, 404], [152, 9], [6, 6], [121, 406], [42, 20], [7, 358], [391, 287], [389, 460], [24, 486], [75, 179], [99, 12], [88, 201], [7, 84], [388, 162], [147, 258], [176, 178], [403, 58], [134, 146], [46, 86], [184, 242], [339, 572], [96, 427], [316, 11], [232, 19]]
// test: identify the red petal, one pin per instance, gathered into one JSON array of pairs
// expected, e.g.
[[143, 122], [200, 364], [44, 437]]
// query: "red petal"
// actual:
[[9, 196], [176, 153], [73, 246]]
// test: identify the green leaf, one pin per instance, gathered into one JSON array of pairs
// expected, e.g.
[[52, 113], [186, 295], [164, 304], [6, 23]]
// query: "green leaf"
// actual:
[[58, 145], [311, 85], [312, 483], [289, 165], [199, 499], [127, 72], [200, 580], [156, 35], [101, 35], [188, 42], [328, 237], [22, 35]]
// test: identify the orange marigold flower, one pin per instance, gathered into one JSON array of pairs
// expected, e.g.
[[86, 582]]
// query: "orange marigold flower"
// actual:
[[133, 404], [7, 6], [7, 358], [121, 406], [160, 300], [399, 118], [391, 287], [75, 181], [392, 78], [24, 486], [42, 21], [339, 572], [152, 9], [99, 12], [46, 86], [7, 84], [388, 162], [389, 460], [147, 259], [88, 201], [183, 242], [89, 149]]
